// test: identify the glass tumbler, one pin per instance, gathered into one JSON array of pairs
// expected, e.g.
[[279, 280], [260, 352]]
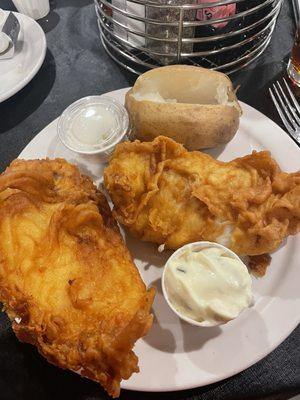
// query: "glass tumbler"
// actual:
[[293, 68]]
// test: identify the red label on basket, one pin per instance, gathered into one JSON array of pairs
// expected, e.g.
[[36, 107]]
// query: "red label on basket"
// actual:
[[208, 13]]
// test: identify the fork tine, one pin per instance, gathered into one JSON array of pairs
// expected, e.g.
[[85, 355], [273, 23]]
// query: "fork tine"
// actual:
[[281, 114], [285, 109], [296, 104], [289, 106]]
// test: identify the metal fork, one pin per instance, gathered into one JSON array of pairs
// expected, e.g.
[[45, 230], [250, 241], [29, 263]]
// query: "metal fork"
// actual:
[[288, 108]]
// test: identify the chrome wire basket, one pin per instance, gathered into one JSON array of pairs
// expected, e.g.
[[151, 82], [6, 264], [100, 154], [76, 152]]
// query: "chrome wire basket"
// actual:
[[142, 34]]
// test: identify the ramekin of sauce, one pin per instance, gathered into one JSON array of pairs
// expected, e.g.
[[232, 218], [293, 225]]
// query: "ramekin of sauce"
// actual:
[[206, 284], [93, 124]]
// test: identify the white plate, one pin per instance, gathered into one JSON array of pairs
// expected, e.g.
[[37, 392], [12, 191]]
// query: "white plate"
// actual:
[[30, 52], [175, 355]]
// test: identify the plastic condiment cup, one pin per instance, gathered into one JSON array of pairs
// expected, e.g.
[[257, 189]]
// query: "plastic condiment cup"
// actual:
[[80, 107], [193, 247]]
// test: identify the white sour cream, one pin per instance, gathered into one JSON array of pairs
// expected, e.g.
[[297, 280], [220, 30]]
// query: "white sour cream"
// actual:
[[208, 285], [92, 125], [152, 96]]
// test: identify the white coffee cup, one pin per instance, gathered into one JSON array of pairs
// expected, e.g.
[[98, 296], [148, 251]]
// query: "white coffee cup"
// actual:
[[35, 9]]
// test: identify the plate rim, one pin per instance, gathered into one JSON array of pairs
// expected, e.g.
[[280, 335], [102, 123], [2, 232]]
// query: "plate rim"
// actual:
[[125, 384], [18, 86], [125, 89]]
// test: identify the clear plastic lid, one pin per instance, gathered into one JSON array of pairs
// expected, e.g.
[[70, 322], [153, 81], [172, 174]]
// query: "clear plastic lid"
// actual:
[[93, 124]]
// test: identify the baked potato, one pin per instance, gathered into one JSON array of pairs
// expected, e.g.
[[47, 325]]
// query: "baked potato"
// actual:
[[194, 106]]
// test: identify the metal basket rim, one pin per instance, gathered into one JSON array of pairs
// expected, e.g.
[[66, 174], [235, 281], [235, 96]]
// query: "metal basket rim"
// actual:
[[185, 7], [194, 54], [219, 68], [192, 40], [187, 23]]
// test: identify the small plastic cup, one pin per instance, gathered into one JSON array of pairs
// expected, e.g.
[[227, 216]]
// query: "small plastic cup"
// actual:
[[85, 111], [194, 247]]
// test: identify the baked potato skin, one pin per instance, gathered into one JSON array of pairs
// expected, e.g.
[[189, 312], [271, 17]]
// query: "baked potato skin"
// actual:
[[196, 126]]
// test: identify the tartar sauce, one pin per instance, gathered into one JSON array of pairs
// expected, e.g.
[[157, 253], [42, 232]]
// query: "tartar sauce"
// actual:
[[208, 285]]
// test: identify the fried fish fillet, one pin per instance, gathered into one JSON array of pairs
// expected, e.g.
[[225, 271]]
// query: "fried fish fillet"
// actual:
[[167, 195], [67, 281]]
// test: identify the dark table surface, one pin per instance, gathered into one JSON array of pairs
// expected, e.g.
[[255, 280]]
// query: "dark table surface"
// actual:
[[75, 66]]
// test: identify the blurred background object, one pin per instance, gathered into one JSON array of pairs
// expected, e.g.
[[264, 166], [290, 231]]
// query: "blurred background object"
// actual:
[[293, 68], [35, 9]]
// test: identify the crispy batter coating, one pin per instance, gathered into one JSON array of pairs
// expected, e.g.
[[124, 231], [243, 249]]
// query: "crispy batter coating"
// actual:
[[167, 195], [67, 281]]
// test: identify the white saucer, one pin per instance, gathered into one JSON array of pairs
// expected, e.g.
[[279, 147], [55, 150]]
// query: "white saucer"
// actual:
[[30, 53]]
